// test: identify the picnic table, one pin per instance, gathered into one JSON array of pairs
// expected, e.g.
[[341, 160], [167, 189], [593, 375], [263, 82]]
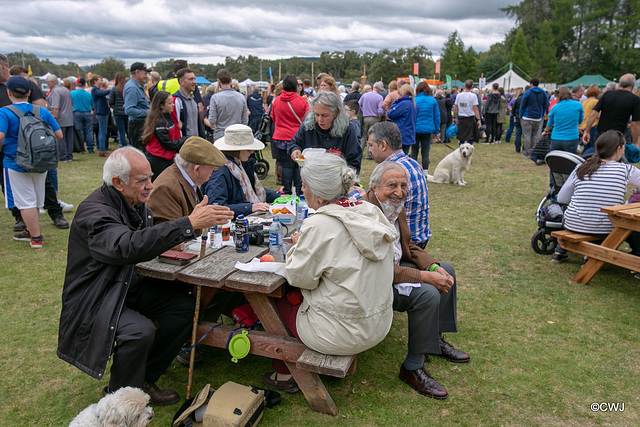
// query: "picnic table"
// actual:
[[216, 271], [625, 219]]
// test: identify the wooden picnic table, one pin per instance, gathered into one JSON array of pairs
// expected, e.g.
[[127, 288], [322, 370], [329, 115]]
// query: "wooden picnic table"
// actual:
[[216, 271], [625, 219]]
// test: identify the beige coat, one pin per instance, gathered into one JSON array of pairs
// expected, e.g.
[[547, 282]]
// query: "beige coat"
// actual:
[[343, 264]]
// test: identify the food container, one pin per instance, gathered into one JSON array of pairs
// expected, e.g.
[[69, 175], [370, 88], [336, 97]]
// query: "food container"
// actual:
[[286, 212]]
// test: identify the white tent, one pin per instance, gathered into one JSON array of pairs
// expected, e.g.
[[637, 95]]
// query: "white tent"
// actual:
[[508, 80]]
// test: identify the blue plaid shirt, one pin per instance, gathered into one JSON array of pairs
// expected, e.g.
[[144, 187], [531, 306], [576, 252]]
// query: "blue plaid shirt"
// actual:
[[417, 203]]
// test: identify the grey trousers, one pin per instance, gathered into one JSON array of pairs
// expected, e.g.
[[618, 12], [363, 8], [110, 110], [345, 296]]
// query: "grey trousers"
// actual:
[[531, 130], [367, 123], [430, 312]]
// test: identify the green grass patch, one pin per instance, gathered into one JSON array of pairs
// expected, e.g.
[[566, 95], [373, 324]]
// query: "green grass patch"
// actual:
[[542, 348]]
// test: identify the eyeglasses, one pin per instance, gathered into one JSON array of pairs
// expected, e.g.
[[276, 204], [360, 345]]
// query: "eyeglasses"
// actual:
[[300, 84]]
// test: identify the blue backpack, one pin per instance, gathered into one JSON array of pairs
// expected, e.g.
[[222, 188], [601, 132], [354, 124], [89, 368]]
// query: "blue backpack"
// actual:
[[38, 149]]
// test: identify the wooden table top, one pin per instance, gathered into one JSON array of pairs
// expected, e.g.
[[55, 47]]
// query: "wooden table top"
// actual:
[[216, 269], [629, 211]]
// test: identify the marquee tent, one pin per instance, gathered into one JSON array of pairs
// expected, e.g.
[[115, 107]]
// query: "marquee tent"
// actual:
[[508, 80], [589, 79]]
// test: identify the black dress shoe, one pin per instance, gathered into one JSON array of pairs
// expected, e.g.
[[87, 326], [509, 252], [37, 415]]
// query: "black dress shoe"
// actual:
[[423, 383], [450, 353], [160, 396], [61, 223]]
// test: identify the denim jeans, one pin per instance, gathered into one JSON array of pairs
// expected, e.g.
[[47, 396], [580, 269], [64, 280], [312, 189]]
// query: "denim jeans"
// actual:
[[570, 146], [103, 120], [512, 125], [423, 142], [121, 123], [518, 137], [83, 122]]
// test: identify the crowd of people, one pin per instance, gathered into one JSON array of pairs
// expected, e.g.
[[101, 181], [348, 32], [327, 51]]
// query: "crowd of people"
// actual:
[[186, 162]]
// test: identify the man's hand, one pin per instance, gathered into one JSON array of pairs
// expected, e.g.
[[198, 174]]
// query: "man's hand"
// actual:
[[438, 278], [205, 216], [586, 137], [260, 207], [295, 154]]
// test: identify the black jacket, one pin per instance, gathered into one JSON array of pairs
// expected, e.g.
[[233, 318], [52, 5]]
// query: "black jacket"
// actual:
[[107, 238], [116, 102], [184, 114], [346, 145]]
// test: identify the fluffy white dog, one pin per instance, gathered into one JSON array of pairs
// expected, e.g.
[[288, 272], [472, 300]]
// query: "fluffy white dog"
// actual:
[[126, 407], [452, 168]]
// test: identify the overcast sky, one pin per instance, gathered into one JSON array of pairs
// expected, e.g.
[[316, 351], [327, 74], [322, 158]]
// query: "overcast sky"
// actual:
[[207, 31]]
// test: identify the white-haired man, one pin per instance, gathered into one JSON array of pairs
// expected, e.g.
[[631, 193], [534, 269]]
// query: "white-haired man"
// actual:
[[107, 309], [422, 287], [60, 105]]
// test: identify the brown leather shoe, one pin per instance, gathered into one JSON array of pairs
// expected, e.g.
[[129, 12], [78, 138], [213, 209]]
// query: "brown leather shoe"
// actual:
[[270, 379], [160, 396], [451, 354], [103, 154], [423, 383]]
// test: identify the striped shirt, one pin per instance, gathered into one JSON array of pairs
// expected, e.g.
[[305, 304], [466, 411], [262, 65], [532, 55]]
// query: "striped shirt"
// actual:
[[417, 203], [606, 187]]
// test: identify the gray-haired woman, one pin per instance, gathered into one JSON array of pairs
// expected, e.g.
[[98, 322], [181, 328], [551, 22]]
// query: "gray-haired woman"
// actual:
[[340, 269], [328, 127]]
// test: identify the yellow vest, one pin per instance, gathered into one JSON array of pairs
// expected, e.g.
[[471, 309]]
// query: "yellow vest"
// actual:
[[170, 85]]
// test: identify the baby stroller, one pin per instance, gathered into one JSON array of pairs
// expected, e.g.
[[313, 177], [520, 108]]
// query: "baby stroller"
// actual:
[[263, 134], [550, 213]]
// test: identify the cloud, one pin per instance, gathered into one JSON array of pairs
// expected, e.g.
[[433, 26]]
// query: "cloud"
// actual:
[[208, 31]]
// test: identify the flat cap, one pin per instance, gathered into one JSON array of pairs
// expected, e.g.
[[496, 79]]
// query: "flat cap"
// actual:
[[199, 151]]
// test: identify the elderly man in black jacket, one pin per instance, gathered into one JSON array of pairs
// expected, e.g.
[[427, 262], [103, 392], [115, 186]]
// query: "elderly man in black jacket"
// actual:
[[107, 309]]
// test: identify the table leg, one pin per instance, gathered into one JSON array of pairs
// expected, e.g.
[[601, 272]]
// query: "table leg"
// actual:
[[310, 383], [592, 266]]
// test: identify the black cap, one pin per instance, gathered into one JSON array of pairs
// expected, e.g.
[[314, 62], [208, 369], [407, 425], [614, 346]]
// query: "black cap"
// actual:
[[139, 66]]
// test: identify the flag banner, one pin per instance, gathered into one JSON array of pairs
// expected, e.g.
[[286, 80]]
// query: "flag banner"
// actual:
[[437, 67], [415, 68]]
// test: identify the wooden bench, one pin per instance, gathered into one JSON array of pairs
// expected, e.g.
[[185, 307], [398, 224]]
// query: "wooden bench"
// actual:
[[598, 254], [335, 366]]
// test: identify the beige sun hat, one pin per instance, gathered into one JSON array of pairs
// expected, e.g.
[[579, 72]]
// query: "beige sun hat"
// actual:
[[238, 137]]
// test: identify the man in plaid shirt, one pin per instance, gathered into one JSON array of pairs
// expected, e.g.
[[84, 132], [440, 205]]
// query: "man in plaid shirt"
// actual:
[[385, 145]]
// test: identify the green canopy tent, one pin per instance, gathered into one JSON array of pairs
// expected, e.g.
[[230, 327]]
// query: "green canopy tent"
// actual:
[[589, 79]]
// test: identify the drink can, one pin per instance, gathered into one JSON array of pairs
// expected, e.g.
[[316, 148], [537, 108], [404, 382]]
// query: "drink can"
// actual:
[[241, 234]]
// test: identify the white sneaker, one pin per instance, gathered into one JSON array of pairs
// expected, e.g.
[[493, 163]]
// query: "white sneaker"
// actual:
[[66, 207], [42, 211]]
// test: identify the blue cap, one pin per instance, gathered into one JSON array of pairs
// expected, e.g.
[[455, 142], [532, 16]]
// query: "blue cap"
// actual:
[[19, 85]]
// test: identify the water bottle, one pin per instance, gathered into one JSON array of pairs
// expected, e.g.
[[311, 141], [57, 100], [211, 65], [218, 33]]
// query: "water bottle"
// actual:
[[302, 212], [241, 234], [216, 236], [276, 248]]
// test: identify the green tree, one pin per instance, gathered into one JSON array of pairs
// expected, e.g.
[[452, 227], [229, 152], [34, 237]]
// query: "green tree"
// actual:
[[545, 64], [452, 60], [108, 67], [520, 53]]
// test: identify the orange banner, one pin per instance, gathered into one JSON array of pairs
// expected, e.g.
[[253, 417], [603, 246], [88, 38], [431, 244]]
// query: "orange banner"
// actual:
[[415, 68], [437, 67]]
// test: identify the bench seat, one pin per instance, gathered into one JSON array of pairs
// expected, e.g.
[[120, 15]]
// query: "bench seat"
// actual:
[[335, 366]]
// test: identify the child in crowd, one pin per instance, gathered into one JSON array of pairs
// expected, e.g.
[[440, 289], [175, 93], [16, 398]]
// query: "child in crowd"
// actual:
[[352, 108]]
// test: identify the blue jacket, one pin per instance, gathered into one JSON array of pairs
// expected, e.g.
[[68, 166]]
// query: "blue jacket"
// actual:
[[225, 190], [100, 101], [428, 118], [346, 145], [534, 103], [136, 103], [255, 105], [403, 113]]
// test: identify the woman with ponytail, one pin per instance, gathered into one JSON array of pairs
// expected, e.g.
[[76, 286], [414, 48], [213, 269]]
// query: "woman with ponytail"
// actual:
[[340, 269], [599, 182]]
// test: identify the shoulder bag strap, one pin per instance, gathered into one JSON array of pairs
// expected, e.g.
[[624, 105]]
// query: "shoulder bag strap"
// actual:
[[294, 113]]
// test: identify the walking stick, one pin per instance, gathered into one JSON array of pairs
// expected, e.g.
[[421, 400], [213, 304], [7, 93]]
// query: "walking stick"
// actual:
[[196, 315]]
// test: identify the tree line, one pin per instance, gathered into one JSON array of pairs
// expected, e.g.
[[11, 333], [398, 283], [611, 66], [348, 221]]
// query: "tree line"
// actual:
[[553, 40]]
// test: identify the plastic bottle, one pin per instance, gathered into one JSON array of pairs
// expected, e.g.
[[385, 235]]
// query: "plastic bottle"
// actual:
[[276, 248], [240, 234], [302, 212], [216, 236]]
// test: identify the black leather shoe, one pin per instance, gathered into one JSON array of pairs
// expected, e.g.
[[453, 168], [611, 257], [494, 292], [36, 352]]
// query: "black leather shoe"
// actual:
[[160, 396], [61, 223], [423, 383], [450, 353]]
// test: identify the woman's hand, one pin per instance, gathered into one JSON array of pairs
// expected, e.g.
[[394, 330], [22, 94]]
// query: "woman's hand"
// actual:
[[294, 237], [295, 154], [260, 207]]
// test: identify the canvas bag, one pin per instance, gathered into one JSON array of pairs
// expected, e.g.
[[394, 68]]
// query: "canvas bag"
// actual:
[[38, 149]]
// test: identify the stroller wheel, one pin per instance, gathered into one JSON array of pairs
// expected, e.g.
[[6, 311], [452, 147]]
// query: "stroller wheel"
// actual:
[[542, 242], [262, 169]]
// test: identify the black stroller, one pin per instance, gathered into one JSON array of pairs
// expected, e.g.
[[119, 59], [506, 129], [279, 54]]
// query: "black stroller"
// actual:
[[263, 134], [549, 214]]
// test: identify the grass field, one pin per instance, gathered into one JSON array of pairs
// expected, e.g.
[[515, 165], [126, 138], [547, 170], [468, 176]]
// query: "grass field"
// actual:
[[543, 349]]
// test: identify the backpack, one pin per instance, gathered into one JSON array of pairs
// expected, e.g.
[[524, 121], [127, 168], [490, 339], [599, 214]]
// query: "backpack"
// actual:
[[38, 149]]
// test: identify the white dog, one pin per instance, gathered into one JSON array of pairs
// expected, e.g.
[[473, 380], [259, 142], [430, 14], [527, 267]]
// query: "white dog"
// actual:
[[452, 168], [126, 407]]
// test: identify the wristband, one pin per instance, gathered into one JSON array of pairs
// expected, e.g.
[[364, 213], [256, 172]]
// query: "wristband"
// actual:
[[434, 266]]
